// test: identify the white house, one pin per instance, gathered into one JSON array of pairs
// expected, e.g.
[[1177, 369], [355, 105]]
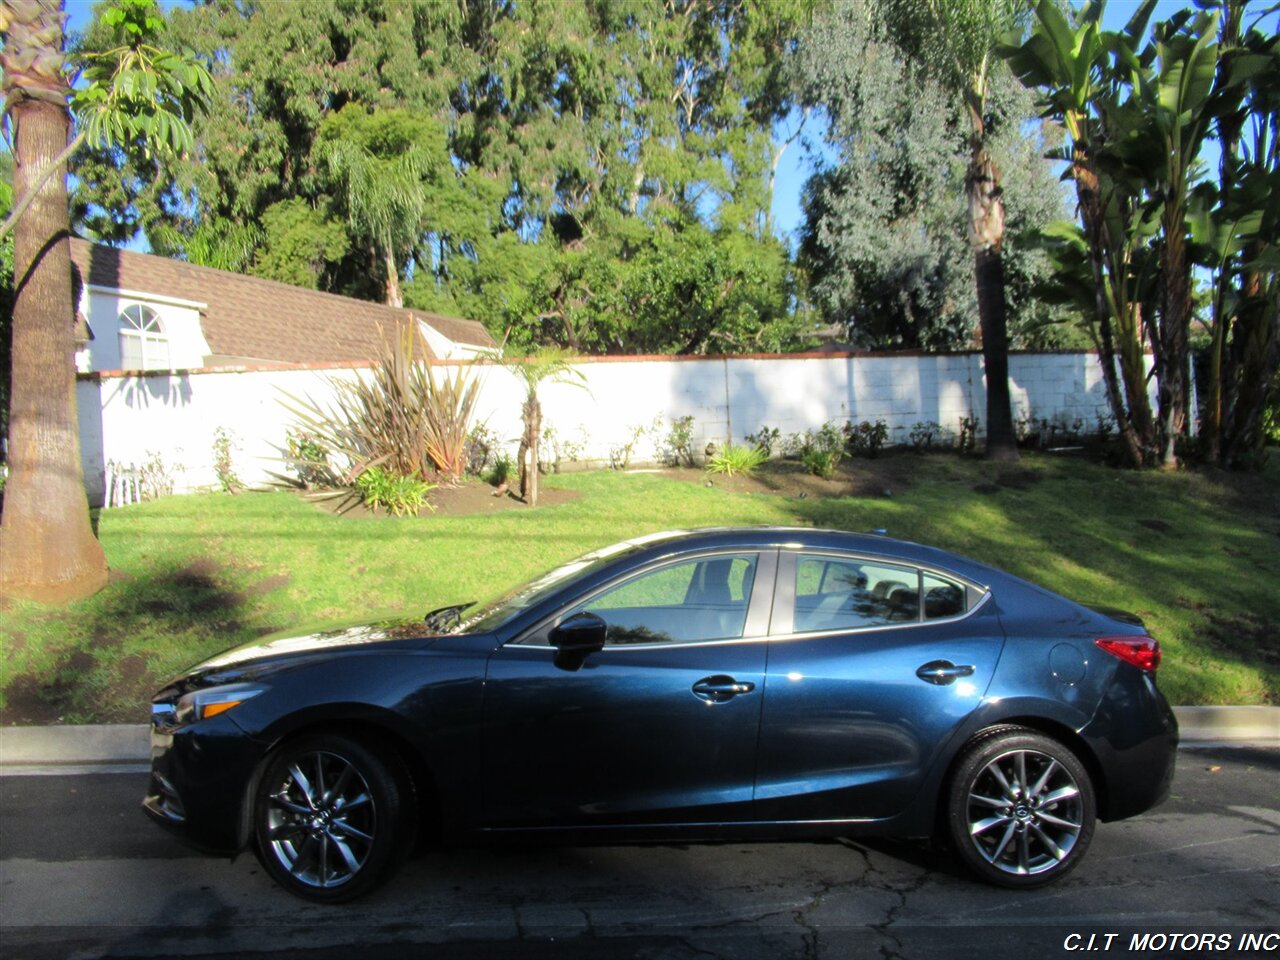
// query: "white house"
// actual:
[[142, 312]]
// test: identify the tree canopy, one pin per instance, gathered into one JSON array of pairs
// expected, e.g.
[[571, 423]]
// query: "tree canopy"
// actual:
[[538, 166], [884, 240]]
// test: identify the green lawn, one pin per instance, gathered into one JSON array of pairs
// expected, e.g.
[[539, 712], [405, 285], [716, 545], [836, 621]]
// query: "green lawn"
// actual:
[[1196, 554]]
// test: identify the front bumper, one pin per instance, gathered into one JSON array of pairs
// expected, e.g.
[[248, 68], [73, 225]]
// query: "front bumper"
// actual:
[[202, 782]]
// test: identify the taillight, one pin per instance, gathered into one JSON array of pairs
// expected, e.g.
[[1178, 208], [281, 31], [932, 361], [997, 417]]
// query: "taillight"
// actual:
[[1142, 652]]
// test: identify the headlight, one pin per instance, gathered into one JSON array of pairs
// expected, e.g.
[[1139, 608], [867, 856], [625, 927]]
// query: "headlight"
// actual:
[[203, 704]]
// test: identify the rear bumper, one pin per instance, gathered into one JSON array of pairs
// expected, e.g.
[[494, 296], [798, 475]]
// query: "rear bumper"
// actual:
[[1134, 736], [202, 778]]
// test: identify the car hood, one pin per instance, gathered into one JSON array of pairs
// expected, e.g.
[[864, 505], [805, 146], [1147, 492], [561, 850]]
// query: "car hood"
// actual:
[[280, 651]]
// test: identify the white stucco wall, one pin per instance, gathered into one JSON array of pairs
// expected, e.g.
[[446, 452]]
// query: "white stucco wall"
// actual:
[[133, 419]]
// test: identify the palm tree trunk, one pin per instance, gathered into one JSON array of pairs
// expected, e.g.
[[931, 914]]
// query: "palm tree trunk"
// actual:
[[1175, 318], [529, 450], [47, 548], [986, 236], [394, 296]]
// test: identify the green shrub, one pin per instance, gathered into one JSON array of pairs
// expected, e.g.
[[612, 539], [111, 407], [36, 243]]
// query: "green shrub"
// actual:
[[222, 462], [925, 433], [481, 447], [829, 437], [381, 487], [1271, 416], [679, 447], [736, 459], [309, 459], [822, 463], [767, 438], [866, 439], [503, 469], [968, 439]]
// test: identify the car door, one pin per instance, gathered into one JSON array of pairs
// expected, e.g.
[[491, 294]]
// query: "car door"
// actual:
[[659, 726], [872, 665]]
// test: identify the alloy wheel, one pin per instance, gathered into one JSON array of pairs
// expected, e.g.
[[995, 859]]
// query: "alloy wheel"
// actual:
[[321, 820], [1025, 812]]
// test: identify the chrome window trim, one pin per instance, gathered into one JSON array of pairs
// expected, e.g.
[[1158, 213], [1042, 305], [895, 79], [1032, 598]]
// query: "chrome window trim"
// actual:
[[755, 628], [901, 625]]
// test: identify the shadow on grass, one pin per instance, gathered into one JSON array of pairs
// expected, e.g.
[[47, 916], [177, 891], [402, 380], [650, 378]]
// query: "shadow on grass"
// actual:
[[108, 670], [1171, 548]]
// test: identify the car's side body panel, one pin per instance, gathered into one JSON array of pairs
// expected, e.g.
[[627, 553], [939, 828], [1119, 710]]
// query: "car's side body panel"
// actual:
[[850, 730], [621, 740]]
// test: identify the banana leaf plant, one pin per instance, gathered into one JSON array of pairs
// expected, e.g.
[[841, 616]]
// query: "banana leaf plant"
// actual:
[[1080, 72]]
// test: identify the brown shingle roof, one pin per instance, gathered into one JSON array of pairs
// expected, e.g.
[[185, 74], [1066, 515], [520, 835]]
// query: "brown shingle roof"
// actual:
[[250, 319]]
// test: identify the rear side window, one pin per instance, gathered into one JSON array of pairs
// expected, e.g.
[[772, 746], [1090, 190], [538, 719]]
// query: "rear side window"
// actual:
[[942, 597], [834, 593]]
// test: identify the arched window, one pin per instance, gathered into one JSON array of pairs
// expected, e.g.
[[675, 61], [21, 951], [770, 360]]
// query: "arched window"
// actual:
[[143, 344]]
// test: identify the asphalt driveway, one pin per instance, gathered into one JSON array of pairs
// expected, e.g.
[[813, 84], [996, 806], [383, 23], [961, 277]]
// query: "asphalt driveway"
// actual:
[[82, 874]]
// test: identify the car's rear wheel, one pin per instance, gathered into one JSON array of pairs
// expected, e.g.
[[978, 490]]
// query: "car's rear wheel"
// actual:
[[1020, 808], [331, 817]]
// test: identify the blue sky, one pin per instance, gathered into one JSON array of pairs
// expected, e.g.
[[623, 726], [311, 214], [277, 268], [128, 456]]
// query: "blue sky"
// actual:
[[799, 160]]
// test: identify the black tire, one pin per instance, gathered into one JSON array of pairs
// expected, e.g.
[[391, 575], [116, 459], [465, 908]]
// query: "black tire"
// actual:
[[332, 817], [1021, 808]]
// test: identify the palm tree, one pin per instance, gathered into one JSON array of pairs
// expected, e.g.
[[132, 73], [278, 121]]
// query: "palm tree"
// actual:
[[47, 548], [384, 190], [548, 364], [133, 96], [956, 40]]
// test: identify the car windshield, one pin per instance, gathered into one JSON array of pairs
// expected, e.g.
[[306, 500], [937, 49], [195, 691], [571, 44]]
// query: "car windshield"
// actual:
[[494, 614]]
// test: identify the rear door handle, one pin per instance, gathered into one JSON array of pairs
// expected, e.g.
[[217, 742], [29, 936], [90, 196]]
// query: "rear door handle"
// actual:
[[943, 672], [719, 688]]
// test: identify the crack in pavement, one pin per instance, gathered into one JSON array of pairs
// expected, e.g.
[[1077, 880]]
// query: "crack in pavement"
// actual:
[[809, 939], [892, 950]]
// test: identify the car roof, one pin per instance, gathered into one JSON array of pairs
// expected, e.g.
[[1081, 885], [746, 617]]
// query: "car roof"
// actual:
[[874, 543]]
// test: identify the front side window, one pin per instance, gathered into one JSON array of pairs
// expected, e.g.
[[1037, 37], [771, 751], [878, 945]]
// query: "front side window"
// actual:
[[698, 600], [143, 344]]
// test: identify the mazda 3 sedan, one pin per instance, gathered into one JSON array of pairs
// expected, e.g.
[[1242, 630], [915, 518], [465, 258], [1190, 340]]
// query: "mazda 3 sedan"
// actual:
[[759, 682]]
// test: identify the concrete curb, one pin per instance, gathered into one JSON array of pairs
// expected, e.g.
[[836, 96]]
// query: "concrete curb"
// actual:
[[129, 744], [60, 743], [1260, 725]]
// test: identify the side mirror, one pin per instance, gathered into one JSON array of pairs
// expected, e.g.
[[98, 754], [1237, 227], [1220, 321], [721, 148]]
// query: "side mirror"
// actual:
[[579, 635]]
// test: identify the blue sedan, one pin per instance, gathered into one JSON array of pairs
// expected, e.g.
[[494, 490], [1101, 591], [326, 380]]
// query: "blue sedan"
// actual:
[[755, 682]]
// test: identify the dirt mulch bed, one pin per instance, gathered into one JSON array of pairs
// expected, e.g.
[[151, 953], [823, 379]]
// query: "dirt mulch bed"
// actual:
[[789, 478], [466, 498]]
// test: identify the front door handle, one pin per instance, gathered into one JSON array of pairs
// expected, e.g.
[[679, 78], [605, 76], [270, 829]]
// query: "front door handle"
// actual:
[[943, 672], [720, 688]]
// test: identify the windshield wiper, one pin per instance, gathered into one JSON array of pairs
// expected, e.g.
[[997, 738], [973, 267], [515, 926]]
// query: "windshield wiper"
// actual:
[[442, 618]]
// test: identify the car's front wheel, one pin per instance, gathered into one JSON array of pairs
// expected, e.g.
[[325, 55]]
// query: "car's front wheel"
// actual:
[[1021, 808], [330, 817]]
